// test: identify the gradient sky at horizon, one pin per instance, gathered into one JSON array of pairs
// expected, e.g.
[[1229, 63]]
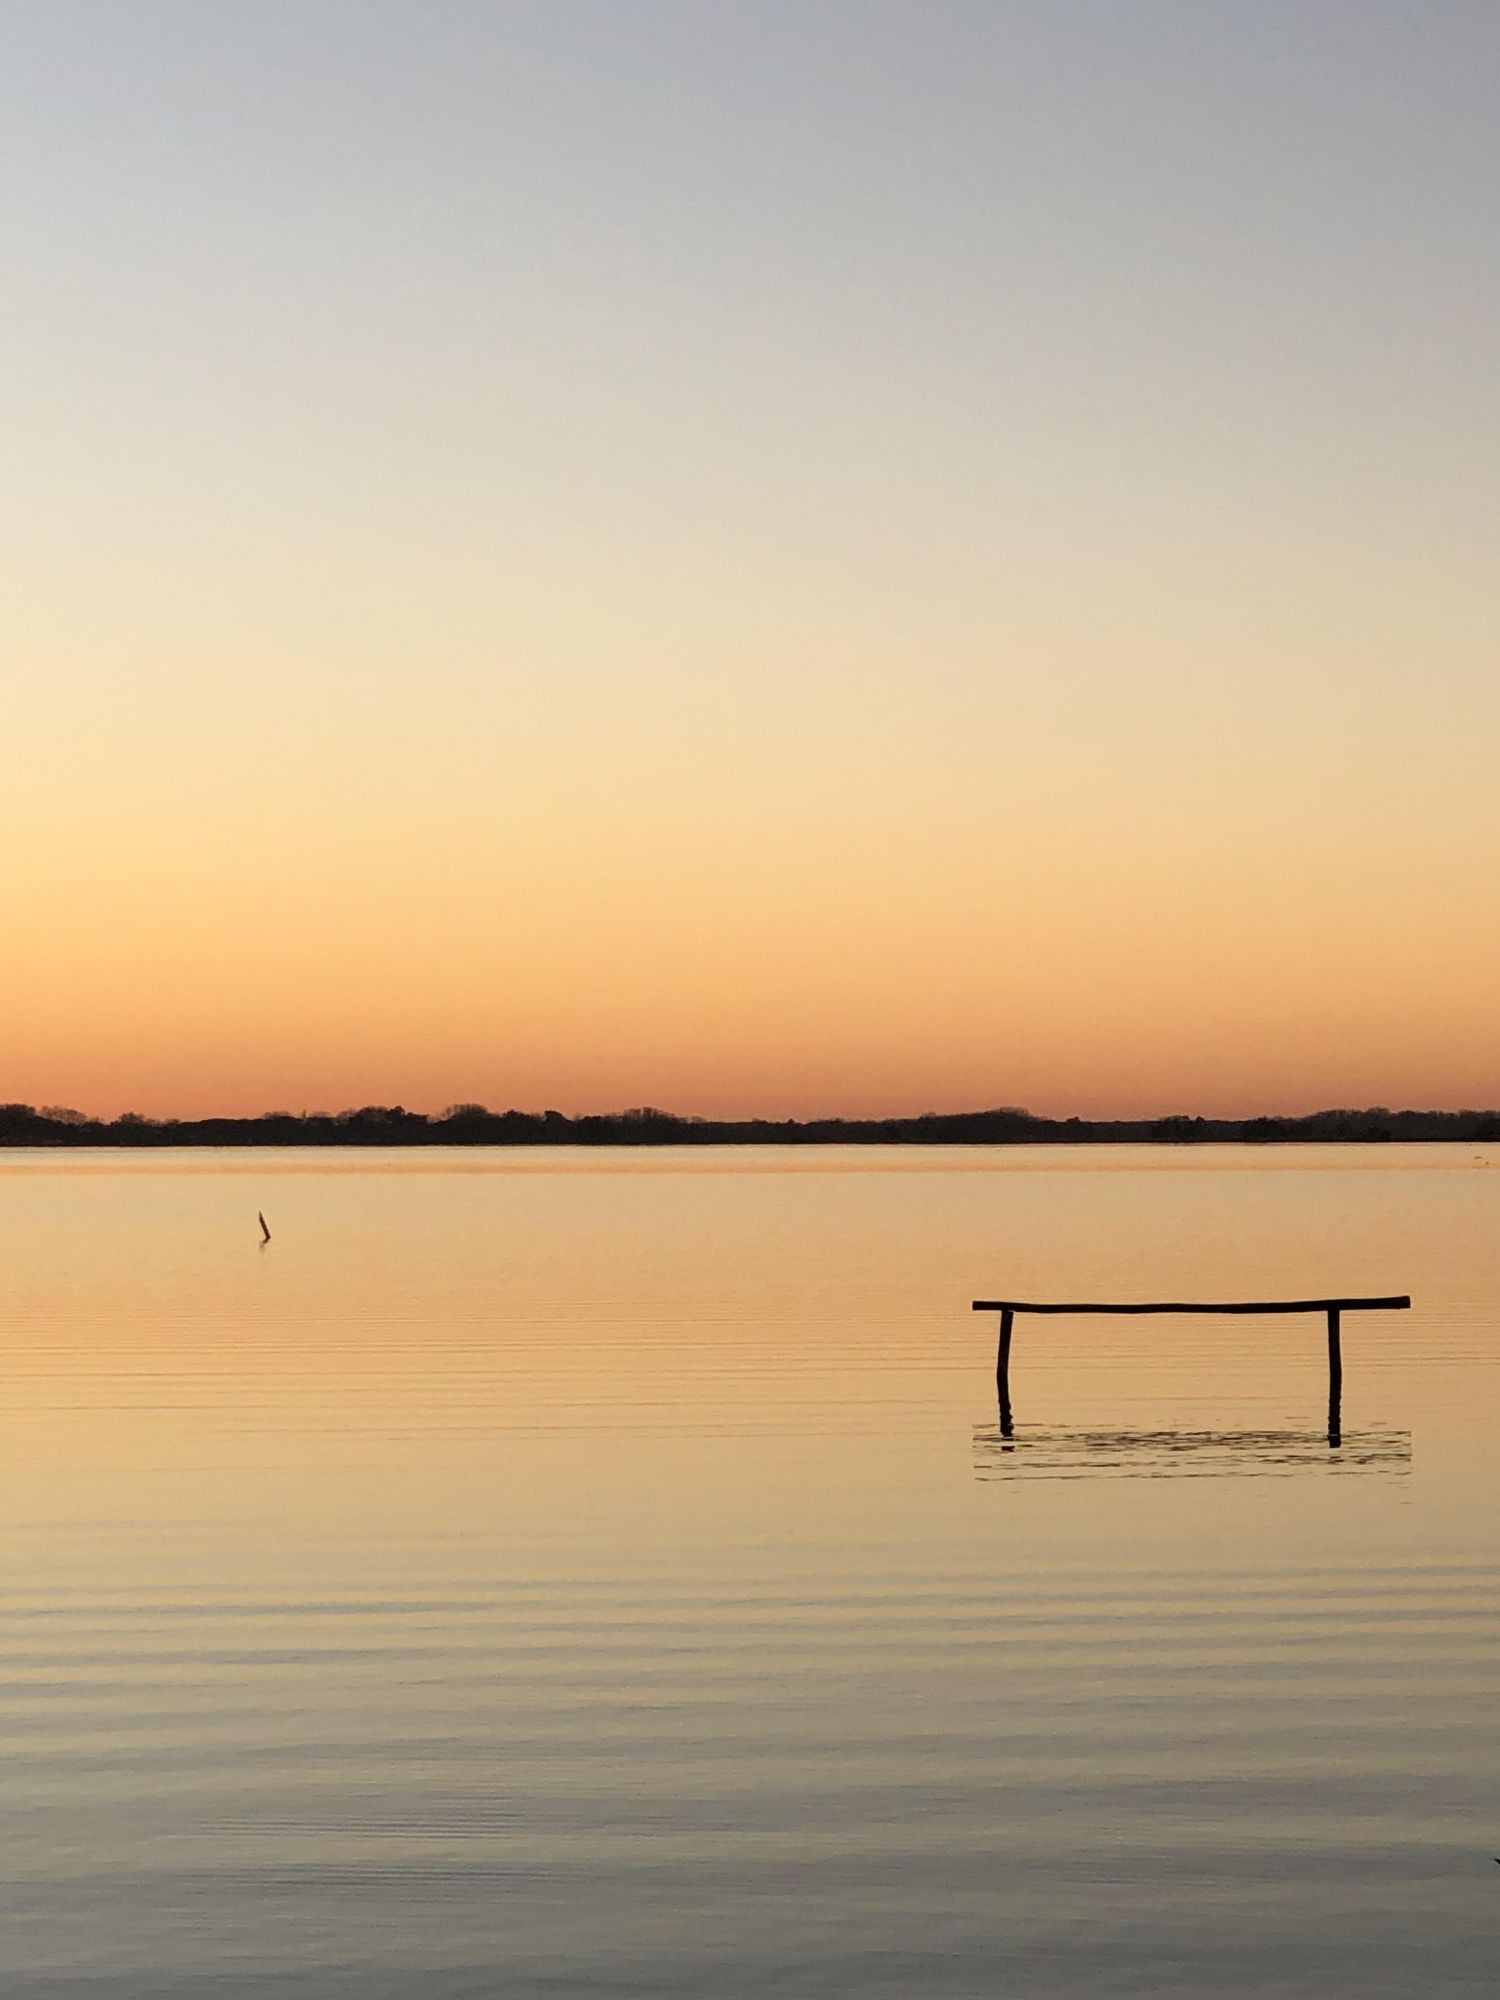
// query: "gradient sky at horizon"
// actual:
[[751, 557]]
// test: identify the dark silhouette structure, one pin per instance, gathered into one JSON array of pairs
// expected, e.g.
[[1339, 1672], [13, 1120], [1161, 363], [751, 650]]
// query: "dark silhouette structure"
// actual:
[[473, 1125], [1334, 1308]]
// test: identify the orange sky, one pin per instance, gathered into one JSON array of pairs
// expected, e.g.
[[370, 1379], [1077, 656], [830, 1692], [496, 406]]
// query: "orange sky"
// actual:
[[750, 563]]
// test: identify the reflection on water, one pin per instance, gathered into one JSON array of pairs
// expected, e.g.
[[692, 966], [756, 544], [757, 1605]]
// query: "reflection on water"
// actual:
[[1048, 1452], [558, 1576]]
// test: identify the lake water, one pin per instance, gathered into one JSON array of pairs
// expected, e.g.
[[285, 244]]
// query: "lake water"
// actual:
[[571, 1573]]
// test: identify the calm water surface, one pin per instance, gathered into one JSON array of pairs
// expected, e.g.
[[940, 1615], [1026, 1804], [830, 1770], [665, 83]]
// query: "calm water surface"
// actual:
[[561, 1573]]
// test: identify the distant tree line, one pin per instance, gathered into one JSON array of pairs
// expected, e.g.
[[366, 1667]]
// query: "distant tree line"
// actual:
[[475, 1125]]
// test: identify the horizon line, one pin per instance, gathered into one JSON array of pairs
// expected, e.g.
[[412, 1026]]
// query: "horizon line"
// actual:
[[472, 1122]]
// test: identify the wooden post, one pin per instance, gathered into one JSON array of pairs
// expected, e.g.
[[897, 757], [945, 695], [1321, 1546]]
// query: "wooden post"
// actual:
[[1002, 1372], [1335, 1308]]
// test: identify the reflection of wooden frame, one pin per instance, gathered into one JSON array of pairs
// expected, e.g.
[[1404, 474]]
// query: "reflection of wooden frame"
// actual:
[[1008, 1308], [1046, 1451]]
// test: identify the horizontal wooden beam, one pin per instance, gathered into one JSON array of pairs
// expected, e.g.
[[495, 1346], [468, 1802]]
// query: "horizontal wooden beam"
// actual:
[[1178, 1306]]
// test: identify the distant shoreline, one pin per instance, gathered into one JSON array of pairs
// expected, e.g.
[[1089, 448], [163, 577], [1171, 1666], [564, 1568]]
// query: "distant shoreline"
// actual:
[[472, 1125]]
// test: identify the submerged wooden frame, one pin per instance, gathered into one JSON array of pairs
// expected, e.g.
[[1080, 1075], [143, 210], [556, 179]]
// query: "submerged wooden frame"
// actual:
[[1335, 1308]]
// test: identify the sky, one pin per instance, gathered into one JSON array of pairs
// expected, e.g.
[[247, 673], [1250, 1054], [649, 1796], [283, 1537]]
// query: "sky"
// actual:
[[852, 556]]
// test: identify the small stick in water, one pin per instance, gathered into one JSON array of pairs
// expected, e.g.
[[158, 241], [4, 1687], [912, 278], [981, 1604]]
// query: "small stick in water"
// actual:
[[265, 1234]]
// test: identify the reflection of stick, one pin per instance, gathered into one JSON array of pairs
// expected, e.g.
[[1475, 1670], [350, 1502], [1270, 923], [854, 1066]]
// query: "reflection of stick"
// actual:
[[265, 1234]]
